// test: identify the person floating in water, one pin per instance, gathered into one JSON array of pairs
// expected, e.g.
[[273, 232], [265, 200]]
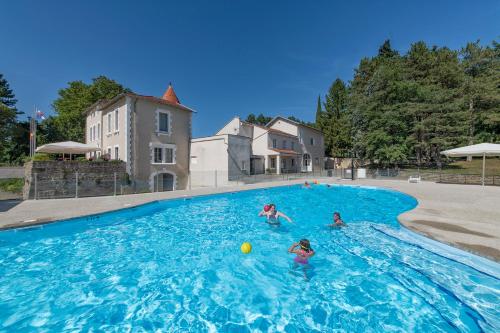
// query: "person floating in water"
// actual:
[[272, 214], [337, 221], [303, 252], [307, 185]]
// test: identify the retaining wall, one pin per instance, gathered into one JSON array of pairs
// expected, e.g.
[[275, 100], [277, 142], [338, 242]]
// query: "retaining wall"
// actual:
[[65, 179]]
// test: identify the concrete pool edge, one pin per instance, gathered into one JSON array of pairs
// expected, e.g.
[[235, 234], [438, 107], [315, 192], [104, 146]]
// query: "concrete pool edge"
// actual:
[[433, 217]]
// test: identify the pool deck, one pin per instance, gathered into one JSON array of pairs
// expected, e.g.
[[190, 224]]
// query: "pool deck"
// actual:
[[464, 216]]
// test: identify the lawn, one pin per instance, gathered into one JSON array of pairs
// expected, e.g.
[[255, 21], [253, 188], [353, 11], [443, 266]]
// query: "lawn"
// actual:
[[462, 167], [13, 185]]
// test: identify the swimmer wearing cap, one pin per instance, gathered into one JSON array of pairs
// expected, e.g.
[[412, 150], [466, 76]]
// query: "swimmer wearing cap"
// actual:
[[272, 214]]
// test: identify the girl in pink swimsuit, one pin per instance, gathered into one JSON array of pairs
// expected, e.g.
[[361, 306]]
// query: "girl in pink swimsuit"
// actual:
[[303, 251]]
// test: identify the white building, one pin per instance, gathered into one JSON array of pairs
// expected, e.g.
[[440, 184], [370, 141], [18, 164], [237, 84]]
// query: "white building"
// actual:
[[241, 148]]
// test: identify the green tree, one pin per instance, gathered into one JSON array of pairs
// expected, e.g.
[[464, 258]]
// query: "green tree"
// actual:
[[18, 148], [407, 108], [251, 119], [74, 100], [319, 113], [335, 121], [481, 91], [8, 115]]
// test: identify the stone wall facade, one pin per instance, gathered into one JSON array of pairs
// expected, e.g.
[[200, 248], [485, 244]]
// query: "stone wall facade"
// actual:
[[71, 179]]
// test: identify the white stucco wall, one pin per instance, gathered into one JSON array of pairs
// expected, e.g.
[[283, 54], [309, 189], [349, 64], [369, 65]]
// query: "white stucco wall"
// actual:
[[232, 127], [286, 127], [224, 155], [240, 149], [115, 138], [209, 158], [93, 119]]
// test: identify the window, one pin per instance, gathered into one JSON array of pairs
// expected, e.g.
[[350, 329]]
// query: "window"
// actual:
[[93, 133], [284, 144], [117, 156], [98, 154], [293, 146], [90, 134], [163, 154], [158, 155], [99, 131], [169, 155], [312, 141], [306, 159], [109, 122], [116, 120], [163, 125], [274, 143], [243, 166], [293, 162], [273, 163], [109, 152], [283, 163], [316, 161]]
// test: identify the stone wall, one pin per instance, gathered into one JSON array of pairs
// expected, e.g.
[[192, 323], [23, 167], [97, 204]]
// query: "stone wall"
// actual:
[[58, 179]]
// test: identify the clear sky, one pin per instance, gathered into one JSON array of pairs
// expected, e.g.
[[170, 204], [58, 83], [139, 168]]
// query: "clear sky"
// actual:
[[224, 58]]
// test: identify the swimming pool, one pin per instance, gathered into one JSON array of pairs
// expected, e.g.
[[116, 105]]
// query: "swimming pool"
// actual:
[[176, 266]]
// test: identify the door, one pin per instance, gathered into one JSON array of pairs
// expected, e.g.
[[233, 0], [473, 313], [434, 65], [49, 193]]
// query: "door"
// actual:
[[163, 182], [306, 163]]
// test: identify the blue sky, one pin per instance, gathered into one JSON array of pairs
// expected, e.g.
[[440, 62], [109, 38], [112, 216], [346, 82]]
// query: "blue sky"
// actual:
[[225, 58]]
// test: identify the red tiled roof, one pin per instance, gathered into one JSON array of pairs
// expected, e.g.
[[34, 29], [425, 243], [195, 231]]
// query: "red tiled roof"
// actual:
[[170, 95], [105, 103], [285, 151]]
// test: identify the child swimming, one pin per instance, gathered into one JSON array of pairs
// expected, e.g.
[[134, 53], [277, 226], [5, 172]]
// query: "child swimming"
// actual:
[[272, 214], [337, 221], [303, 251]]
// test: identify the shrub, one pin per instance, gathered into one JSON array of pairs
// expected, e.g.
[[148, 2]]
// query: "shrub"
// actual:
[[14, 185], [41, 157]]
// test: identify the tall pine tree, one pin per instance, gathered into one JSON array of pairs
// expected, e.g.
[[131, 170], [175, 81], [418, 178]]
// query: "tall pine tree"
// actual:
[[8, 115]]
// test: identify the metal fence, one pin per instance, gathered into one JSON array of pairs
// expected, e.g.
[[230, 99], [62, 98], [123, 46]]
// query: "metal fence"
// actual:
[[74, 185], [77, 185]]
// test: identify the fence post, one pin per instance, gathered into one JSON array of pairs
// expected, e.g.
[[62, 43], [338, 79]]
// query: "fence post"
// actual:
[[215, 179], [36, 190], [76, 184], [114, 184]]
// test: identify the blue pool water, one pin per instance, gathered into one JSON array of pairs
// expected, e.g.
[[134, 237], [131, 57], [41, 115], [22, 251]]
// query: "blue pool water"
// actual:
[[175, 266]]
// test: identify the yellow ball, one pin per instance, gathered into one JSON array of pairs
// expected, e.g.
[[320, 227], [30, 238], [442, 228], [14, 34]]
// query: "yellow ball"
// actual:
[[246, 248]]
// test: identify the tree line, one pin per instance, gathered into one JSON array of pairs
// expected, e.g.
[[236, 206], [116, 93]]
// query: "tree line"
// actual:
[[67, 123], [397, 109], [406, 108]]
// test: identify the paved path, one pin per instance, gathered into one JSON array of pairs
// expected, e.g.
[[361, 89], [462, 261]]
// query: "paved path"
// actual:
[[465, 216]]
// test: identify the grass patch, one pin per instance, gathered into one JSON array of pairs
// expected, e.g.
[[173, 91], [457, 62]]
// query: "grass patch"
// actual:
[[13, 185], [474, 167]]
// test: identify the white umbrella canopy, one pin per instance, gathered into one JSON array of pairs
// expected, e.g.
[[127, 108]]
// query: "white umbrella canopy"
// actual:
[[480, 149], [67, 147], [486, 149]]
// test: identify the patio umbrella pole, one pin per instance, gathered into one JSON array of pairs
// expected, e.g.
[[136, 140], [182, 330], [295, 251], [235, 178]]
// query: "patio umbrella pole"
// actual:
[[484, 163]]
